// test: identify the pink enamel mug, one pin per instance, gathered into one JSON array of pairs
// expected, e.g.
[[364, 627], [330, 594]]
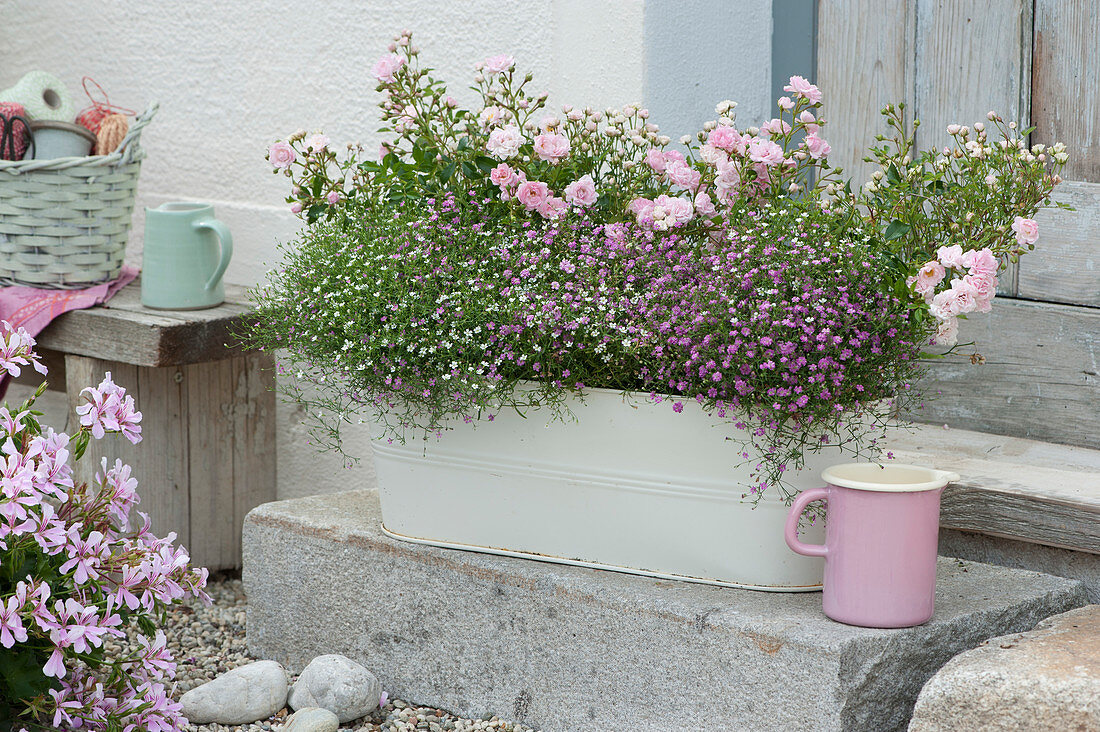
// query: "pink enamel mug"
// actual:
[[881, 533]]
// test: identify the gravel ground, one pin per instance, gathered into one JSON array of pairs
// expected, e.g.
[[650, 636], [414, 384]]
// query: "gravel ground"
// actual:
[[210, 641]]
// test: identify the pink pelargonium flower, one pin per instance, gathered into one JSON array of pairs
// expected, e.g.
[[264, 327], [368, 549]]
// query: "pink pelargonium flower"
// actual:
[[498, 64], [799, 86], [817, 147], [503, 176], [762, 150], [581, 192], [281, 155], [1027, 230], [532, 194], [11, 625], [386, 67], [110, 409], [17, 349], [552, 148]]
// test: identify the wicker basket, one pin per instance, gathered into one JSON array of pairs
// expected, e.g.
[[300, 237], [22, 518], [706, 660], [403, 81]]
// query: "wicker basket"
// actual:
[[64, 222]]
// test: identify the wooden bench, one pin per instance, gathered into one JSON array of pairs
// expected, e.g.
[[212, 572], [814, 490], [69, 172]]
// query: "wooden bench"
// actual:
[[208, 412]]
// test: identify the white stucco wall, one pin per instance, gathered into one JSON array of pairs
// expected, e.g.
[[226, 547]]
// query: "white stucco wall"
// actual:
[[232, 77]]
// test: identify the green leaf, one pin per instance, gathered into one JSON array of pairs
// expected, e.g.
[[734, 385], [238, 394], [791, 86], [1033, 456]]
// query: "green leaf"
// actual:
[[892, 174], [896, 230]]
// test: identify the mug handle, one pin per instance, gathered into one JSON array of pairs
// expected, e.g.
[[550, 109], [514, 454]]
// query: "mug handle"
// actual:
[[226, 240], [790, 532]]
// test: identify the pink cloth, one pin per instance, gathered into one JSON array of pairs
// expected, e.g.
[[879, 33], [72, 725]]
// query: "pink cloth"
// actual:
[[34, 309]]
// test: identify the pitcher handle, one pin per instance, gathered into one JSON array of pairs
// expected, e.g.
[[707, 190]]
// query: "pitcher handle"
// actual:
[[226, 240], [790, 532]]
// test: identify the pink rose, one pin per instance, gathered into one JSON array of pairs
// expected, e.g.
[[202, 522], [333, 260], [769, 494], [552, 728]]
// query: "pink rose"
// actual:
[[669, 211], [281, 155], [776, 127], [492, 116], [504, 142], [532, 194], [984, 287], [765, 151], [802, 88], [960, 299], [981, 262], [930, 275], [725, 138], [581, 192], [712, 155], [728, 181], [683, 175], [317, 142], [655, 159], [786, 103], [704, 205], [552, 148], [818, 148], [503, 175], [1027, 231], [387, 66], [951, 256], [296, 208], [333, 197], [548, 123], [642, 208], [552, 207], [808, 121], [947, 332], [383, 151], [498, 64], [674, 156]]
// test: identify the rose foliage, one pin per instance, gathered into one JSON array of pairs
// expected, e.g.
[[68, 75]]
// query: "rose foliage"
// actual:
[[504, 256]]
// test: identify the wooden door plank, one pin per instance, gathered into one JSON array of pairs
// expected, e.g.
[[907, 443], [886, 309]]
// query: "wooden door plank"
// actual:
[[1065, 80], [214, 534], [863, 63], [1041, 378], [254, 439], [1065, 266]]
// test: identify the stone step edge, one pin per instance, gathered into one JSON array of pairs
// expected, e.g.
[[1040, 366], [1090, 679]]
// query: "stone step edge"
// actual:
[[1026, 490]]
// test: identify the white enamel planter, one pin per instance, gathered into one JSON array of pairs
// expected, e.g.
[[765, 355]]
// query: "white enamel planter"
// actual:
[[630, 486]]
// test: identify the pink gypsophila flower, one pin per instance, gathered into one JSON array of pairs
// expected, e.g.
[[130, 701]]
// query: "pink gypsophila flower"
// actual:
[[552, 148], [581, 192], [1027, 230], [386, 67], [498, 64], [281, 155], [532, 193], [799, 86]]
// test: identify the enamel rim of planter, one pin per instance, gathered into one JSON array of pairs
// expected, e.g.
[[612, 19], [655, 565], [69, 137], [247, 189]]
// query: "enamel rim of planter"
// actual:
[[631, 487], [887, 477]]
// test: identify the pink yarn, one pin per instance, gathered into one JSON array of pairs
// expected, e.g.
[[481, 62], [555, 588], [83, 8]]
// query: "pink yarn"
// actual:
[[7, 111]]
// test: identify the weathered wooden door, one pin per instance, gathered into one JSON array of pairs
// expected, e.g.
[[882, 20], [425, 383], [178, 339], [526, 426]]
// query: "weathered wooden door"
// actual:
[[1033, 61]]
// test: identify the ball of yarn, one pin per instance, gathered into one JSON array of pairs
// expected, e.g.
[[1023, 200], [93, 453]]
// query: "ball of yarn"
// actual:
[[43, 96], [112, 130], [92, 118], [16, 128]]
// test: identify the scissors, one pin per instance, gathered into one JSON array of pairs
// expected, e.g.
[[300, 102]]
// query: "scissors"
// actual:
[[8, 139]]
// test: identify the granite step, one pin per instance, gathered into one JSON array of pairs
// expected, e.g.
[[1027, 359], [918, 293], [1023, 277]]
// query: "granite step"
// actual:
[[568, 649]]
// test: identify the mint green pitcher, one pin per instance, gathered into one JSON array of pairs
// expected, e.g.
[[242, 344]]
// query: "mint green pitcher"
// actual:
[[186, 253]]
